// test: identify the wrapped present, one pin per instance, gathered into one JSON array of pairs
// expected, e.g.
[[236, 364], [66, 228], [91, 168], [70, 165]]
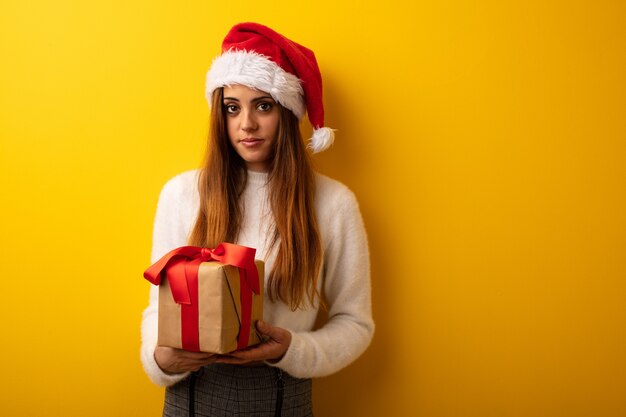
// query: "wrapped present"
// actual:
[[209, 299]]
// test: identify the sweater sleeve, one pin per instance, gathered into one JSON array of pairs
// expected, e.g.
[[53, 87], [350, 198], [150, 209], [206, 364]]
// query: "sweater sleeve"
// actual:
[[170, 231], [347, 288]]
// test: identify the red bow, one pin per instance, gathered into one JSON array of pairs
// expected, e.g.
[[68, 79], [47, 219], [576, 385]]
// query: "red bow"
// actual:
[[181, 268]]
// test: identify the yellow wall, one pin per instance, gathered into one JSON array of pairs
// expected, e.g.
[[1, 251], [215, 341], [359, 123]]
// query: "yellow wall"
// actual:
[[484, 139]]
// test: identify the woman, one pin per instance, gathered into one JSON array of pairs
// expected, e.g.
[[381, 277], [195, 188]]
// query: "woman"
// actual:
[[257, 188]]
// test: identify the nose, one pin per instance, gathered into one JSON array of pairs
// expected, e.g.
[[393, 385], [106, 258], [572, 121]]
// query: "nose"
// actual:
[[248, 121]]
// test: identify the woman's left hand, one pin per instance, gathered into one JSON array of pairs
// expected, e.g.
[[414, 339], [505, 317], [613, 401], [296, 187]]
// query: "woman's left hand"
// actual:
[[271, 350]]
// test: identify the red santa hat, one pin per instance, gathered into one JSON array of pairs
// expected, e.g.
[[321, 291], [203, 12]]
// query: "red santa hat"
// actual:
[[257, 57]]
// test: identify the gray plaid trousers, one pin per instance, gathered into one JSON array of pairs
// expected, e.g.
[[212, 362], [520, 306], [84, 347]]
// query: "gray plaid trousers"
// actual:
[[222, 390]]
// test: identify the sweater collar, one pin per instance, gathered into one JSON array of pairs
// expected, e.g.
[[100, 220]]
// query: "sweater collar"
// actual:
[[257, 179]]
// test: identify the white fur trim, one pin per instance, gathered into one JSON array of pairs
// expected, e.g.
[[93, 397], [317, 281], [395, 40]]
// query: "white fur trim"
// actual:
[[256, 71], [322, 139]]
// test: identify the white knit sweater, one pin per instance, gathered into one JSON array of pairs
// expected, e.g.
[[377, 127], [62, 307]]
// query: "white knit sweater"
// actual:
[[345, 274]]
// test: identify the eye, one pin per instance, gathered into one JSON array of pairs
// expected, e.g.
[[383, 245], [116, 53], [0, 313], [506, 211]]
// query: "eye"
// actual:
[[264, 106], [231, 108]]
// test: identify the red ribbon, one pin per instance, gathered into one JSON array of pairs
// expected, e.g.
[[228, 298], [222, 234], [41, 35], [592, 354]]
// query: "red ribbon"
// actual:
[[181, 267]]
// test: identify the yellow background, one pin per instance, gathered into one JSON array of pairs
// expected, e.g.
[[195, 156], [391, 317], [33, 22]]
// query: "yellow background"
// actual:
[[484, 140]]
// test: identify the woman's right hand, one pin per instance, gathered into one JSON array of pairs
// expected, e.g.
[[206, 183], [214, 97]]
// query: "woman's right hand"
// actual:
[[175, 361]]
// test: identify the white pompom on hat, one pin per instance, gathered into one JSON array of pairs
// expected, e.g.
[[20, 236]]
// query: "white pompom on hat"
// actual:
[[257, 57]]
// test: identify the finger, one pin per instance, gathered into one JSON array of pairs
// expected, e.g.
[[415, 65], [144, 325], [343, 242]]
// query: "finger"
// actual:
[[261, 353], [239, 355], [274, 333], [232, 361], [196, 365], [265, 328], [243, 354], [196, 355], [202, 362]]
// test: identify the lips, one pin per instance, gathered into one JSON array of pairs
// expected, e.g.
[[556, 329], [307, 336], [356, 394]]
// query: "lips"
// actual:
[[250, 142]]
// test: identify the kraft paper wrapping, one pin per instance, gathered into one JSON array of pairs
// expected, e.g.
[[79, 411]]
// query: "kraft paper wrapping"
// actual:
[[219, 309]]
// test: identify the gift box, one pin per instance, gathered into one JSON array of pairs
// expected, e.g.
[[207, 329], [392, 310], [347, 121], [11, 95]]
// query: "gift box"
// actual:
[[209, 299]]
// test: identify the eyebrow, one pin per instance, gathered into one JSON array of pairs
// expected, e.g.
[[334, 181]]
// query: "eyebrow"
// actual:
[[251, 101]]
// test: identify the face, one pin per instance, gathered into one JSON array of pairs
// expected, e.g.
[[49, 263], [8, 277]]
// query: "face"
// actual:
[[252, 124]]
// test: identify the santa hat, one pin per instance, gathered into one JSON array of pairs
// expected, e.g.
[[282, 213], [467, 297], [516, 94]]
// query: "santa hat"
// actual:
[[257, 57]]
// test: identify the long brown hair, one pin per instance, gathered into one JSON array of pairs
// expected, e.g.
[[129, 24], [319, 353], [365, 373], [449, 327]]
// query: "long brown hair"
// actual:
[[291, 184]]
